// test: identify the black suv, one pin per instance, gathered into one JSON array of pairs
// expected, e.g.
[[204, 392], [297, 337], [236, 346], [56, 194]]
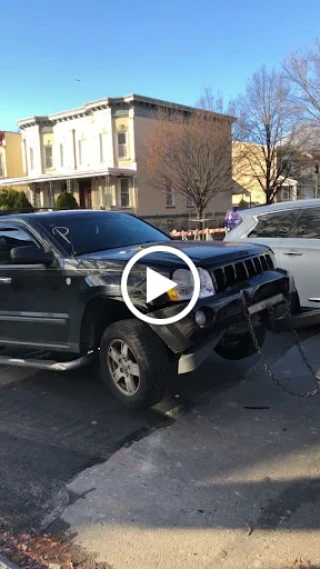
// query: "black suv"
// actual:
[[60, 275]]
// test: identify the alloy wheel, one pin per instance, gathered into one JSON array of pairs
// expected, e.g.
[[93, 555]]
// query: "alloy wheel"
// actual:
[[123, 367]]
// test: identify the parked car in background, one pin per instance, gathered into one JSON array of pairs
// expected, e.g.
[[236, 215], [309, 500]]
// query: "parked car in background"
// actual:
[[292, 231]]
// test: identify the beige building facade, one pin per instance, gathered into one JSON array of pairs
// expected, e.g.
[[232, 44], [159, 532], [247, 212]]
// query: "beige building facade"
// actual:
[[98, 153], [248, 163], [11, 166]]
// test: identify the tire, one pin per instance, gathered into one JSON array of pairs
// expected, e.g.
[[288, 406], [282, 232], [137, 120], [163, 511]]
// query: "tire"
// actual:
[[238, 347], [134, 364]]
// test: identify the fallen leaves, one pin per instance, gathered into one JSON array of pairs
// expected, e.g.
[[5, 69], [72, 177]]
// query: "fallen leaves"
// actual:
[[33, 551]]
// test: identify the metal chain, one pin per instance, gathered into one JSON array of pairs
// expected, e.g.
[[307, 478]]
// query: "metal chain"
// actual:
[[269, 370]]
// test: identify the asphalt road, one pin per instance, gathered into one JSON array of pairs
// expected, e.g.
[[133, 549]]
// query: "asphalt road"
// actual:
[[54, 425]]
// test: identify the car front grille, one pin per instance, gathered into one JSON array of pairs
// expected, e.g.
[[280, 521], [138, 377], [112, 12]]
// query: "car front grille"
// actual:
[[234, 273]]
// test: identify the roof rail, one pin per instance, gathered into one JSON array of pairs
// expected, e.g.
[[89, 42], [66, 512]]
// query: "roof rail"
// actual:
[[28, 210]]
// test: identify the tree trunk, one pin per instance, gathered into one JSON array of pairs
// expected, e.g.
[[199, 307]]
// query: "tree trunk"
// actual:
[[269, 196], [200, 224]]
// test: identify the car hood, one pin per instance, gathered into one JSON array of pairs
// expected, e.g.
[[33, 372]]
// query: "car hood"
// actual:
[[201, 253]]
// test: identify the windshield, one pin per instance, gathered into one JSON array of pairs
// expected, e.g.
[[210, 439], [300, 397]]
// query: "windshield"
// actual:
[[90, 232]]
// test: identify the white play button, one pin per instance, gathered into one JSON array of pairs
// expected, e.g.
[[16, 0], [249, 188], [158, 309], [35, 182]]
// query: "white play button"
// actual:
[[157, 284]]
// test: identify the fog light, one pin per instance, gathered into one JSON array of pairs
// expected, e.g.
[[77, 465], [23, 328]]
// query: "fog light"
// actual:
[[200, 318]]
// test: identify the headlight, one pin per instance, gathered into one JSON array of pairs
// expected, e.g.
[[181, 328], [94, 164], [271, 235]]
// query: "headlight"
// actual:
[[206, 284], [184, 288]]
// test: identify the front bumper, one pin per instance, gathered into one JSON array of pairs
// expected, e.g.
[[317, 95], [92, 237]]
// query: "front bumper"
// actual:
[[189, 361], [224, 312]]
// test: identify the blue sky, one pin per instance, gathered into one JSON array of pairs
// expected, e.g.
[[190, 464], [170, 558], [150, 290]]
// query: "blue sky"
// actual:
[[170, 50]]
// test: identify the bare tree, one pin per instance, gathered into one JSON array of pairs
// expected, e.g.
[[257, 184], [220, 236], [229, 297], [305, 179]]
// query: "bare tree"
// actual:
[[189, 152], [302, 69], [265, 131]]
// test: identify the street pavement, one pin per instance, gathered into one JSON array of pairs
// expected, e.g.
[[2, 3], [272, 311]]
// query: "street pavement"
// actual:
[[235, 483], [54, 425], [181, 485]]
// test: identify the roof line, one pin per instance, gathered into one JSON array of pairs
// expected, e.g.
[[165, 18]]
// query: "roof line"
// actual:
[[108, 102]]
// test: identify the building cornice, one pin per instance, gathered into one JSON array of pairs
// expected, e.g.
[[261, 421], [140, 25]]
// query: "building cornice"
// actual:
[[161, 104], [128, 101], [33, 121]]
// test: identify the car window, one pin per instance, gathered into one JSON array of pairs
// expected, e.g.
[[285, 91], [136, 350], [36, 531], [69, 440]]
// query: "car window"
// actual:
[[276, 224], [11, 237], [309, 224]]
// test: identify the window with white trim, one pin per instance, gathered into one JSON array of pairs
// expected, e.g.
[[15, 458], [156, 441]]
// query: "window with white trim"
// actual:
[[31, 158], [81, 151], [124, 192], [170, 197], [286, 194], [103, 146], [122, 144], [61, 149], [48, 156]]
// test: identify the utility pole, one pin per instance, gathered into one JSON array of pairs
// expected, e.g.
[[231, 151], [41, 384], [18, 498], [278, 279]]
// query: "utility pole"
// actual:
[[317, 180]]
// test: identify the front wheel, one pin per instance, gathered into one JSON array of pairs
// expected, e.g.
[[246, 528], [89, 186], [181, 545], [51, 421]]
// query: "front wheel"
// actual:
[[240, 346], [134, 364]]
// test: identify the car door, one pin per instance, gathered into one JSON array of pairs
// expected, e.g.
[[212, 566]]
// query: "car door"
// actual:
[[300, 255], [272, 228], [33, 309]]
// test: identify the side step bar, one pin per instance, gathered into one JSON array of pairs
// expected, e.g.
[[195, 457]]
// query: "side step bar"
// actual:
[[48, 364]]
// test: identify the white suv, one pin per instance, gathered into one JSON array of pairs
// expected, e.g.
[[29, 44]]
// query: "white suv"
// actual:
[[292, 231]]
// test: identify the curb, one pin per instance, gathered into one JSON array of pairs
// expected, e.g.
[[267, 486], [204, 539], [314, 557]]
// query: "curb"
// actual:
[[6, 564]]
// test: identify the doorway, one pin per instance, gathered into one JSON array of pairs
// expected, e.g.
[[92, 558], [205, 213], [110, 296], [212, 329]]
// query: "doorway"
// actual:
[[85, 194]]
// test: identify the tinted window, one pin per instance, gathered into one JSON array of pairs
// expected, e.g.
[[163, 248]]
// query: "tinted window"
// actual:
[[97, 231], [10, 238], [309, 224], [277, 224]]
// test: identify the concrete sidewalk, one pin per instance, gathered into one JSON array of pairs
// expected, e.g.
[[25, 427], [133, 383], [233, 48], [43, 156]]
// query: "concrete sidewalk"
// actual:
[[235, 484]]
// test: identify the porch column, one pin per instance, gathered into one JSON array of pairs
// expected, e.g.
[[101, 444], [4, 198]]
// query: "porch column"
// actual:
[[101, 193], [107, 192], [30, 194], [295, 191], [36, 193], [134, 194], [51, 193]]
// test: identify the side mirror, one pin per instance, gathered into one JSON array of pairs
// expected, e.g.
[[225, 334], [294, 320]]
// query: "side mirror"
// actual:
[[29, 255]]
